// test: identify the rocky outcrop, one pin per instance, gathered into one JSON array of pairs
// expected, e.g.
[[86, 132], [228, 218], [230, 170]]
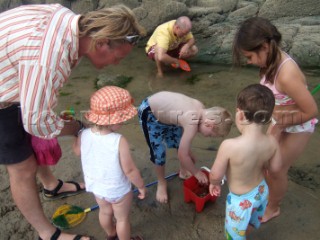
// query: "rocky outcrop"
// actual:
[[215, 22]]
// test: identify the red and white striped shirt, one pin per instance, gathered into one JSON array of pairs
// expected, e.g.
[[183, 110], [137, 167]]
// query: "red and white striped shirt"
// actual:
[[38, 48]]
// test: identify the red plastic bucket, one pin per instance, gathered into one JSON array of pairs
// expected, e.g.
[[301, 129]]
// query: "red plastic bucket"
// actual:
[[197, 193]]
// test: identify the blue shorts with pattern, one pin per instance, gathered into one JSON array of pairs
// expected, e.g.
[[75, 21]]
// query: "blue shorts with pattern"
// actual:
[[158, 135], [242, 210]]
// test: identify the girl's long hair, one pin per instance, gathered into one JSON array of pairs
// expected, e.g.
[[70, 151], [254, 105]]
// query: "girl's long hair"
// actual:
[[250, 36]]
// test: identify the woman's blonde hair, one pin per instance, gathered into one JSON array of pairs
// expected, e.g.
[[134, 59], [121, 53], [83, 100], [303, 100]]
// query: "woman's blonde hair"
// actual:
[[112, 23]]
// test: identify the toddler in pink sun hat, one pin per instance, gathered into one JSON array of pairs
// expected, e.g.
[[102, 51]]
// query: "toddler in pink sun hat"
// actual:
[[107, 164], [110, 105]]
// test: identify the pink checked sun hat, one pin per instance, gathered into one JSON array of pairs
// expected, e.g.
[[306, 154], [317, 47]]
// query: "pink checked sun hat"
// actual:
[[110, 105]]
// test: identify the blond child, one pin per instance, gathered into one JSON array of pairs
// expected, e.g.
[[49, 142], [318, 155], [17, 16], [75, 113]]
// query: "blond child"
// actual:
[[106, 160], [172, 120], [244, 159]]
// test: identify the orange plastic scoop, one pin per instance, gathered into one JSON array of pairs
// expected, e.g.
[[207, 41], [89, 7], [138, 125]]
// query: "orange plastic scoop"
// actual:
[[183, 65]]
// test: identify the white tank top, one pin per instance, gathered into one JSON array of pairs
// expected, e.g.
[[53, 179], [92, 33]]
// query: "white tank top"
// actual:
[[101, 167]]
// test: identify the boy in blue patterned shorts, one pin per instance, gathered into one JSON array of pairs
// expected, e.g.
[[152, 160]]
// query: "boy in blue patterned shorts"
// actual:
[[170, 119], [244, 159]]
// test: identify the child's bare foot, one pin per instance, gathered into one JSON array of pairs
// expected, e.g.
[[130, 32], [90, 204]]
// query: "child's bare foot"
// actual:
[[184, 174], [162, 194], [112, 237], [270, 214], [159, 75]]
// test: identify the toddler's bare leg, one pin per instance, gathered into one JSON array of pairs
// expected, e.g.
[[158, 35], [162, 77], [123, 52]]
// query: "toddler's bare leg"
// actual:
[[121, 213], [106, 217]]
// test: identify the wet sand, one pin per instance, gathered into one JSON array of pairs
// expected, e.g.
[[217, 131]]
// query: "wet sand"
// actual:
[[214, 85]]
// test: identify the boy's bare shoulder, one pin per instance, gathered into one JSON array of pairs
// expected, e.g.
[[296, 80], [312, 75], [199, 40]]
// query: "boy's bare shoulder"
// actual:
[[173, 97], [176, 108], [230, 143]]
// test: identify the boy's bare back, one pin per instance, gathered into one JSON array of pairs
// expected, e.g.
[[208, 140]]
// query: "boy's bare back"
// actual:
[[245, 159], [249, 155], [176, 109]]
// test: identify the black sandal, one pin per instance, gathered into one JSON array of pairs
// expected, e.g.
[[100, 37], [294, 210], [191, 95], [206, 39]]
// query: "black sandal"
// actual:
[[57, 233], [53, 194]]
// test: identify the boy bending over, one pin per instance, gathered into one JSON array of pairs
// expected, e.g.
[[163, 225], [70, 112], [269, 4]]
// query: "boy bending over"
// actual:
[[173, 119]]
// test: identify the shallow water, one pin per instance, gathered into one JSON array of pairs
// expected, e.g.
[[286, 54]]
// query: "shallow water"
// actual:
[[216, 85], [213, 85]]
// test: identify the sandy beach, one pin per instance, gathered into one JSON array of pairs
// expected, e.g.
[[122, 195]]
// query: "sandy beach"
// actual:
[[177, 220]]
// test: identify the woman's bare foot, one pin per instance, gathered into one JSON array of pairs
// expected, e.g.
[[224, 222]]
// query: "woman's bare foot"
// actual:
[[162, 194], [270, 214]]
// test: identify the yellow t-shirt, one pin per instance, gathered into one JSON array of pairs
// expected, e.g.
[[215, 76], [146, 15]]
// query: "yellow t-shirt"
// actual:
[[163, 36]]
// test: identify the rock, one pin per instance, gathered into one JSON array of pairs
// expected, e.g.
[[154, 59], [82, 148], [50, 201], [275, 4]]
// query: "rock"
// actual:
[[129, 3], [82, 6], [160, 11], [243, 12], [225, 6], [214, 22], [274, 9]]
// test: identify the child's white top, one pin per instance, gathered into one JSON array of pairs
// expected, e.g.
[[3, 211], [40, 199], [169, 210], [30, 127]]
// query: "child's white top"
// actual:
[[101, 167]]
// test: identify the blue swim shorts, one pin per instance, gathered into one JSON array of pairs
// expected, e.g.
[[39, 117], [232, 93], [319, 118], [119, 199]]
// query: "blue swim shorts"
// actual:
[[158, 135], [242, 210]]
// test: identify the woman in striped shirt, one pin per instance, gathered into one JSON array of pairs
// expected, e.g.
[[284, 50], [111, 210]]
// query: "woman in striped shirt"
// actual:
[[39, 46]]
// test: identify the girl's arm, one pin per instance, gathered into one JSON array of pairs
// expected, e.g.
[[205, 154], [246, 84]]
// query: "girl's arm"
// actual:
[[275, 163], [129, 168], [291, 81]]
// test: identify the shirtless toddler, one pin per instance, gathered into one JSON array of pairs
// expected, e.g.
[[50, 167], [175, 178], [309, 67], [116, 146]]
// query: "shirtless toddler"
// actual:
[[244, 159]]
